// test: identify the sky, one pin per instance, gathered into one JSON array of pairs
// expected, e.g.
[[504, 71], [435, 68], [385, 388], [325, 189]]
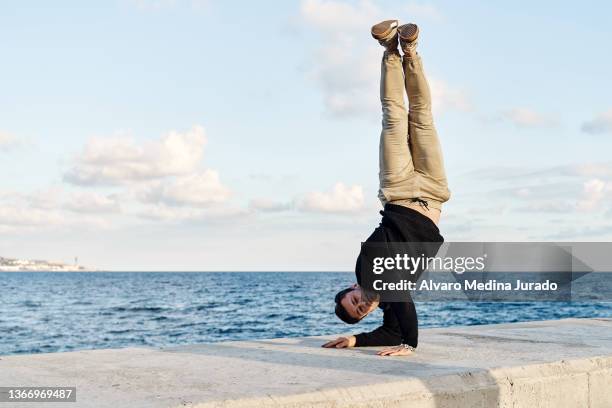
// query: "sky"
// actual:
[[209, 135]]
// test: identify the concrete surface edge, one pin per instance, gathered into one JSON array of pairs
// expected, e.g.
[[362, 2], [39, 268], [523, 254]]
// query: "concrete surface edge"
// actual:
[[558, 384]]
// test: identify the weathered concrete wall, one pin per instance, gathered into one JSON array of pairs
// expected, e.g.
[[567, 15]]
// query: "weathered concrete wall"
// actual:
[[564, 363]]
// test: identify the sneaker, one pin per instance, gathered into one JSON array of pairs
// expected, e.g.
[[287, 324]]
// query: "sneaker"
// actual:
[[408, 34], [386, 34]]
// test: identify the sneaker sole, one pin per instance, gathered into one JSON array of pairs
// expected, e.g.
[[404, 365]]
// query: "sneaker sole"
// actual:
[[408, 32], [383, 29]]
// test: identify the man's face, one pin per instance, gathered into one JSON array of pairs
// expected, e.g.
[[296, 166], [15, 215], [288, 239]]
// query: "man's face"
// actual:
[[356, 303]]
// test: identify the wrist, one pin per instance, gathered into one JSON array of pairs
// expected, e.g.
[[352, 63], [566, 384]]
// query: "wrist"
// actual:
[[408, 347], [352, 341]]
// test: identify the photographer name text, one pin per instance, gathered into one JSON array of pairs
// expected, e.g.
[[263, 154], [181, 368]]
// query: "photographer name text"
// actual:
[[491, 285]]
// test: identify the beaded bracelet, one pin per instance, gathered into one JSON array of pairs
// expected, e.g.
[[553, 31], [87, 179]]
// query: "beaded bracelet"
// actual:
[[408, 347]]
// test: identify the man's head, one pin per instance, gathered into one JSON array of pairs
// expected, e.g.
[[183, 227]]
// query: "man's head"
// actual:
[[354, 303]]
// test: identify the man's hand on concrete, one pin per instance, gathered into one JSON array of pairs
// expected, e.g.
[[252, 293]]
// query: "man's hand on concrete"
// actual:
[[395, 351], [341, 342]]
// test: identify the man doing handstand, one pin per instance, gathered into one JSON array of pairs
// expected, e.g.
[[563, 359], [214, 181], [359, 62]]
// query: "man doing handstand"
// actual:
[[413, 187]]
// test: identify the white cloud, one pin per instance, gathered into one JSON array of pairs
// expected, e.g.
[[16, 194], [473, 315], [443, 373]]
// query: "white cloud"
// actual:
[[267, 205], [164, 213], [571, 189], [161, 174], [47, 199], [342, 199], [524, 117], [549, 206], [20, 216], [89, 202], [600, 124], [346, 65], [201, 189], [174, 214], [120, 160], [582, 233], [508, 173], [158, 179], [590, 170], [55, 208]]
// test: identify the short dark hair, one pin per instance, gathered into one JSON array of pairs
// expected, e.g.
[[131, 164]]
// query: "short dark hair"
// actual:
[[341, 311]]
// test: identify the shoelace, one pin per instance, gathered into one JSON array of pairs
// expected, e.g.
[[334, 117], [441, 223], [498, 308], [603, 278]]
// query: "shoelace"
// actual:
[[421, 202], [409, 46]]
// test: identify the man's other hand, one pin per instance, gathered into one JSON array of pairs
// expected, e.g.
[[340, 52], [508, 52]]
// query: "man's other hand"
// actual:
[[341, 342], [395, 351]]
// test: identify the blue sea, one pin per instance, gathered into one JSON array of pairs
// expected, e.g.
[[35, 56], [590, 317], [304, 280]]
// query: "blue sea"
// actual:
[[50, 312]]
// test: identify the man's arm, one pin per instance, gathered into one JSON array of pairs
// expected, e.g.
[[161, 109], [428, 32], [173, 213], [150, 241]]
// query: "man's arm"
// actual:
[[389, 334], [407, 320], [394, 330], [406, 315]]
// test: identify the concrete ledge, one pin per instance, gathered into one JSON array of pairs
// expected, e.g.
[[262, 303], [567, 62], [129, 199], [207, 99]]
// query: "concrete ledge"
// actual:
[[563, 363]]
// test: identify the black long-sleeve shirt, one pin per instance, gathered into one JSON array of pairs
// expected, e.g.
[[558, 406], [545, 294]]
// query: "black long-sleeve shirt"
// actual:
[[400, 323]]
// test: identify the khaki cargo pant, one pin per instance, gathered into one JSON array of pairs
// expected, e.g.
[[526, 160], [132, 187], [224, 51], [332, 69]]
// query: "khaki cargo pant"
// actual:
[[411, 163]]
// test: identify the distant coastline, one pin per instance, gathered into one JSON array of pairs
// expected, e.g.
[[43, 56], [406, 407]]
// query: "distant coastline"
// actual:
[[27, 265]]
